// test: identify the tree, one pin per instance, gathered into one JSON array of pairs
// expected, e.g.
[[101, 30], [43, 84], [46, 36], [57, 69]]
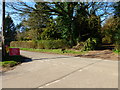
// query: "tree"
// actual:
[[10, 30], [75, 17], [78, 18], [109, 30], [117, 28], [117, 9], [51, 31]]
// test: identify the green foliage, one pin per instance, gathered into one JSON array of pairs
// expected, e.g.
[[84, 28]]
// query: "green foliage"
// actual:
[[117, 26], [117, 51], [90, 44], [10, 30], [79, 46], [51, 44], [109, 30], [20, 36], [8, 63], [51, 31], [117, 35], [117, 9], [74, 21], [25, 35], [41, 44], [86, 27], [23, 44], [107, 40]]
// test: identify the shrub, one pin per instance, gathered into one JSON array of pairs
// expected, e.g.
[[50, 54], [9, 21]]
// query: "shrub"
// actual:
[[51, 44], [117, 39], [8, 63], [107, 40], [79, 46], [23, 44], [90, 44], [41, 44]]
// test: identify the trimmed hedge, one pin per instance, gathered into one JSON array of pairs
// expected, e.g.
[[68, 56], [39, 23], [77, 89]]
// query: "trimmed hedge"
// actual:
[[41, 44], [23, 44]]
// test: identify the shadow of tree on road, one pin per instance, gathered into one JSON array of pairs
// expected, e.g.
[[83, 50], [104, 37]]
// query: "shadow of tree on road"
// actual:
[[50, 58]]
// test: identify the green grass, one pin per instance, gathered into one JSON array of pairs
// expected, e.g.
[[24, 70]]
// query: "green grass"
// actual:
[[117, 51], [57, 51], [8, 63]]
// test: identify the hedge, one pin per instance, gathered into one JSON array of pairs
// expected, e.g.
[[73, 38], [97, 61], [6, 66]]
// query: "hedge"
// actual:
[[41, 44], [23, 44]]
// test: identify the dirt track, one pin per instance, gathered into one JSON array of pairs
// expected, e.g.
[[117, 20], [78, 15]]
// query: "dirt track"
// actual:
[[102, 54]]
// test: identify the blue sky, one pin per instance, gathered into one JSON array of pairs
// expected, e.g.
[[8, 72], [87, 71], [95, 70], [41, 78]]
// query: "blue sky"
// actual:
[[15, 18]]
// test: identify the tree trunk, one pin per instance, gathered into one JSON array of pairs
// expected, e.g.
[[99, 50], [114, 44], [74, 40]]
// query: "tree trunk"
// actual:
[[3, 30]]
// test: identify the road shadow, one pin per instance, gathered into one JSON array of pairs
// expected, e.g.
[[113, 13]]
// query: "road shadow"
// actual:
[[26, 59], [50, 58], [17, 58]]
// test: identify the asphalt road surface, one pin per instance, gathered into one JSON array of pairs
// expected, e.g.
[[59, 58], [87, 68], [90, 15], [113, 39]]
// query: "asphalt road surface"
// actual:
[[59, 71]]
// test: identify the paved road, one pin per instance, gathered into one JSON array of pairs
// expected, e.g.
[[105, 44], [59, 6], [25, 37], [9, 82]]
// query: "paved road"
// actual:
[[59, 71]]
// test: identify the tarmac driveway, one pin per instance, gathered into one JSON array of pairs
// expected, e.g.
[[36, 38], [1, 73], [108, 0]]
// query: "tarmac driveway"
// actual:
[[59, 71]]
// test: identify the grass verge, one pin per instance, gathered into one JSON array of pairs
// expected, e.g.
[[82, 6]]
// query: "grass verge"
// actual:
[[117, 51], [8, 63], [57, 51]]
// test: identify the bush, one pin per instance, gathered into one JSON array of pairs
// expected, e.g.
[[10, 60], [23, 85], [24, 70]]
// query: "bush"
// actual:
[[23, 44], [106, 40], [51, 44], [41, 44], [8, 63], [117, 46], [90, 44], [117, 40], [79, 46]]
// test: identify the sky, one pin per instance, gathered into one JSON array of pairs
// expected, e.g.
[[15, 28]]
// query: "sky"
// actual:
[[17, 20], [14, 17]]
